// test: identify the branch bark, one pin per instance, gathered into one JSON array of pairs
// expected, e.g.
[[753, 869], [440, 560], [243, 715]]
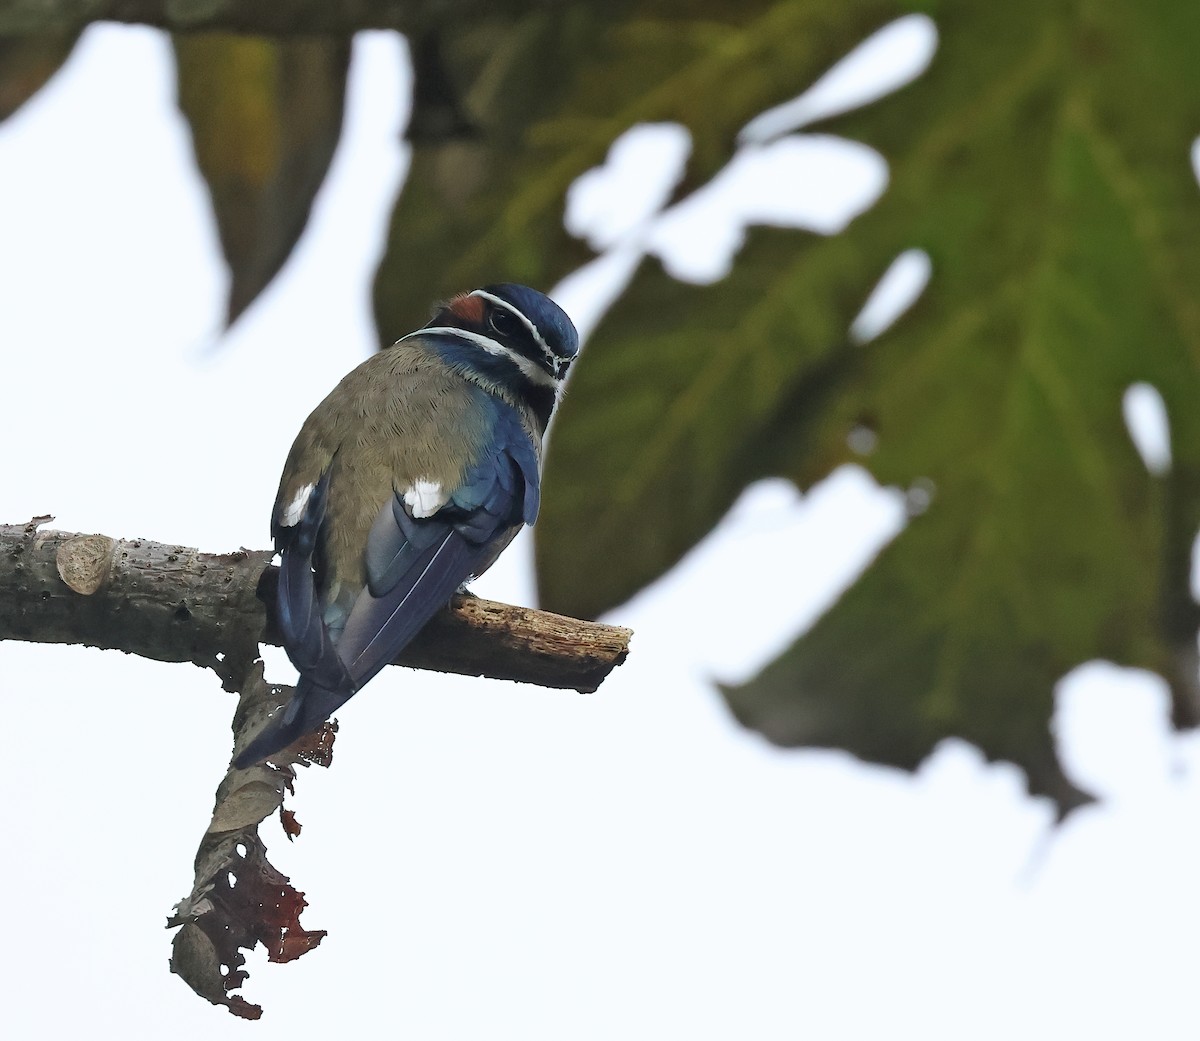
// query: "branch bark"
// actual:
[[174, 603], [268, 17]]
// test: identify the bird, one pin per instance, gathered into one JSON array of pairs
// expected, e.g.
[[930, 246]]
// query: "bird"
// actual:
[[407, 481]]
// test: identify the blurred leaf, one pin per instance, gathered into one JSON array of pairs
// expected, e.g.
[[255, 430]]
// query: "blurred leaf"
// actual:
[[649, 449], [265, 118], [483, 198], [27, 63], [1064, 228], [543, 98]]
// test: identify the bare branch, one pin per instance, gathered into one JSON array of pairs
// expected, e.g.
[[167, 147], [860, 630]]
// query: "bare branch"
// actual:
[[174, 603]]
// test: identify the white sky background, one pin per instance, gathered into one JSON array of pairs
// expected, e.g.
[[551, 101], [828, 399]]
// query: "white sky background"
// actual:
[[496, 861]]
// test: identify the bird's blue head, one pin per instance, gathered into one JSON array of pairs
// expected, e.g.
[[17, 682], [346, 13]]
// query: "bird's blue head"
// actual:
[[510, 337], [518, 320], [550, 325]]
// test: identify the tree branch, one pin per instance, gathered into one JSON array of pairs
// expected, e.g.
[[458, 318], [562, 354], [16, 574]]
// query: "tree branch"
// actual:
[[173, 603], [267, 17]]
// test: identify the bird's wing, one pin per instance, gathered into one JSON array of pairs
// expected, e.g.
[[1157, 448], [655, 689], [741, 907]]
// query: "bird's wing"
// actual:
[[415, 564], [299, 609], [509, 474]]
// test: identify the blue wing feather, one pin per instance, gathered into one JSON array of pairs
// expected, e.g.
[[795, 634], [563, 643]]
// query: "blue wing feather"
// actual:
[[507, 474], [394, 544], [296, 599], [379, 627], [413, 567], [299, 608]]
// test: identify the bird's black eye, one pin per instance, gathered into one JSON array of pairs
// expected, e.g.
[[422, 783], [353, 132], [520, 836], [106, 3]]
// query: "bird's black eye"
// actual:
[[501, 322]]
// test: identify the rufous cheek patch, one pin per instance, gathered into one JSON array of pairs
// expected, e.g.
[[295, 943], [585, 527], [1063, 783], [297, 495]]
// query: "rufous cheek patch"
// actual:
[[469, 308]]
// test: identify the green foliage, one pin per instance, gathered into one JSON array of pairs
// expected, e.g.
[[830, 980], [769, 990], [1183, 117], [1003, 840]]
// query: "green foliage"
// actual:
[[547, 94], [265, 117], [1063, 228], [1063, 225]]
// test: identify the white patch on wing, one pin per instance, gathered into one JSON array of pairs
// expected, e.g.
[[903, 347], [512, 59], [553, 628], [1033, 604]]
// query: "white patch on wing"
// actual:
[[424, 498], [295, 509]]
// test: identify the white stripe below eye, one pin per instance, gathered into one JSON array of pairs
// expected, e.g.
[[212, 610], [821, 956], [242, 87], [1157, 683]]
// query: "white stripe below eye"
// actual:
[[530, 369], [537, 336]]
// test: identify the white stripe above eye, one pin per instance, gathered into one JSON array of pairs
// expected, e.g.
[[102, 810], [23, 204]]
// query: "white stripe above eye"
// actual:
[[530, 369], [537, 336]]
